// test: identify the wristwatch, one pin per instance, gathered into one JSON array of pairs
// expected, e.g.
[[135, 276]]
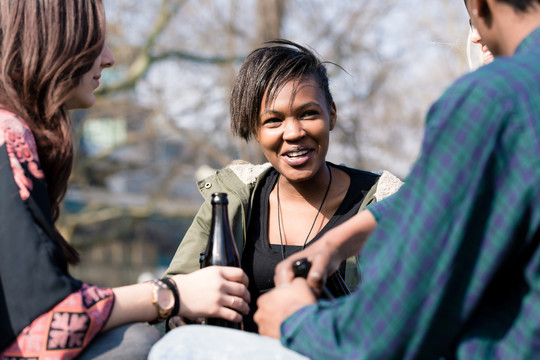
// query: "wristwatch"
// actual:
[[163, 299]]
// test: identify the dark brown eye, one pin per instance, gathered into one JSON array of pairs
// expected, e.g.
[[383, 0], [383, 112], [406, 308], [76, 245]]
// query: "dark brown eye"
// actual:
[[309, 113], [271, 121]]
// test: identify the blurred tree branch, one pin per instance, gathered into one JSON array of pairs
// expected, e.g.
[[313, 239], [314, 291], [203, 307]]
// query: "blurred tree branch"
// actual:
[[170, 87]]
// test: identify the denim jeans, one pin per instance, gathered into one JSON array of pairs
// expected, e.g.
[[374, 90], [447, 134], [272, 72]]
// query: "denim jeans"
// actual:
[[205, 342]]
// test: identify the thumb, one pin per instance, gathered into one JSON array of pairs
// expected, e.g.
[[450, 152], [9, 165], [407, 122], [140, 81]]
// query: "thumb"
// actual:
[[283, 273], [318, 272], [317, 275]]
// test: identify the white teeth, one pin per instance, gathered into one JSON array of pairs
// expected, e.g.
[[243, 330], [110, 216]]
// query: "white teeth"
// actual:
[[297, 153]]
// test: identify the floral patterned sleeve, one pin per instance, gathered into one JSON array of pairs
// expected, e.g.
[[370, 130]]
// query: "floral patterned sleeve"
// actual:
[[67, 329], [68, 324]]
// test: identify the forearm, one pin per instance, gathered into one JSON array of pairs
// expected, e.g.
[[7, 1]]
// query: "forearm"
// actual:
[[327, 253], [216, 291], [132, 303], [349, 238]]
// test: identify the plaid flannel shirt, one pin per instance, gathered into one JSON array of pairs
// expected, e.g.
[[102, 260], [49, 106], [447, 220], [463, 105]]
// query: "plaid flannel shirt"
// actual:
[[453, 269]]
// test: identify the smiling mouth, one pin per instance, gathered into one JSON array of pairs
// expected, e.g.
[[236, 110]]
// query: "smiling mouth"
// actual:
[[296, 154]]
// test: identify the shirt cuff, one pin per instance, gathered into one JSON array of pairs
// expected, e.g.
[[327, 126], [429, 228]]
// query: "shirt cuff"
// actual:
[[293, 325]]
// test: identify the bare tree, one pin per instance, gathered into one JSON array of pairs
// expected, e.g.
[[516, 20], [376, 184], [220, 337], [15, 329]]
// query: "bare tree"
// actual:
[[270, 18], [170, 88]]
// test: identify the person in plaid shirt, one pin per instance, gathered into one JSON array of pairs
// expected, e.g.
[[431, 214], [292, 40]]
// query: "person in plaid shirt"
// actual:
[[452, 265]]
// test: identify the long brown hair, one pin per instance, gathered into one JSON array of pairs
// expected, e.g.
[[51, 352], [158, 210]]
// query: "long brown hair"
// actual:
[[46, 47]]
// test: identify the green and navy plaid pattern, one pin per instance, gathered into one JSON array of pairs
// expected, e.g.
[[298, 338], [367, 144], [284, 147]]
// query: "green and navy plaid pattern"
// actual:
[[453, 269]]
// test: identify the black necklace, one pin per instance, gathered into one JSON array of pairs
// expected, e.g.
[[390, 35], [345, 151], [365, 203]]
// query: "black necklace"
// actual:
[[314, 221]]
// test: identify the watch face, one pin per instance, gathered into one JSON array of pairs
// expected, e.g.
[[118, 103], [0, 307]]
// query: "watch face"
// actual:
[[165, 299]]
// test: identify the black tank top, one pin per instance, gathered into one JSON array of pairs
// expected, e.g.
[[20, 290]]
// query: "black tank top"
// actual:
[[259, 258]]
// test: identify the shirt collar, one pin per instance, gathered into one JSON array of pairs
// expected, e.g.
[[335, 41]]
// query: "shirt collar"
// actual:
[[530, 42]]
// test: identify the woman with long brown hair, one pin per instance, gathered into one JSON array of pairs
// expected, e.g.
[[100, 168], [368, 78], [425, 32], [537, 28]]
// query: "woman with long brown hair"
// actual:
[[52, 53]]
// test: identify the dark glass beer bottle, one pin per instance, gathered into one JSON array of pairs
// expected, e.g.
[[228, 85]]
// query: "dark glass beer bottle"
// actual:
[[335, 285], [221, 249]]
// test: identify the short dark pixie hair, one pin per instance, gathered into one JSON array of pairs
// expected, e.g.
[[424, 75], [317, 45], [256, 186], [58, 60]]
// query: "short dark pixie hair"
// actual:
[[520, 5], [265, 71]]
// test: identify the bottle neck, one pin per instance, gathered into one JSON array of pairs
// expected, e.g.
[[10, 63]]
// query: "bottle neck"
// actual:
[[221, 248], [220, 216]]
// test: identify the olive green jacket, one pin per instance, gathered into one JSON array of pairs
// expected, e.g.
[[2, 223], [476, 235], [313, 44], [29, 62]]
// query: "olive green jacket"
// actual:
[[239, 181]]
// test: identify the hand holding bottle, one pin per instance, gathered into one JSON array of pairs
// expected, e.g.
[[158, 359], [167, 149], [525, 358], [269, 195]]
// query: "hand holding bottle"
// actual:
[[324, 260], [279, 303], [216, 291], [221, 251], [217, 294], [335, 285]]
